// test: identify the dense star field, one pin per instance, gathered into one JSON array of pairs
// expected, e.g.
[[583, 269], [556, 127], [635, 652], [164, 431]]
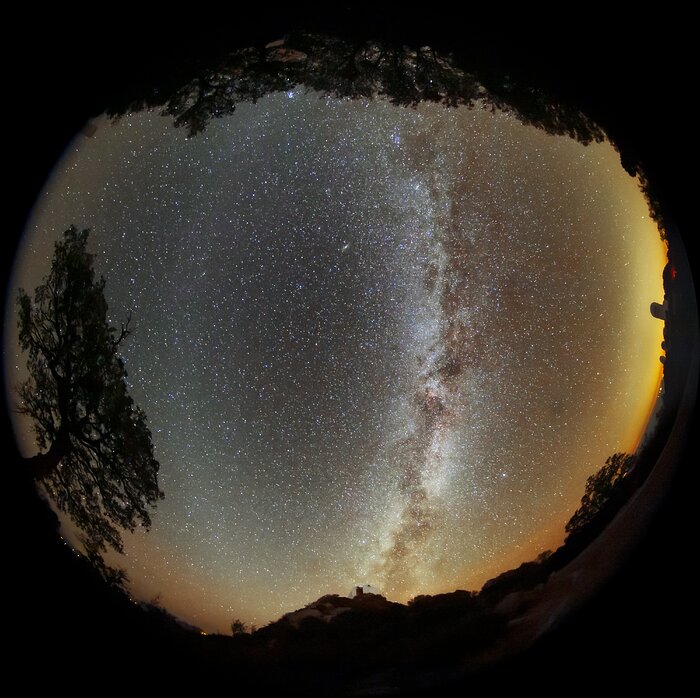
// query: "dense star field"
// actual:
[[375, 344]]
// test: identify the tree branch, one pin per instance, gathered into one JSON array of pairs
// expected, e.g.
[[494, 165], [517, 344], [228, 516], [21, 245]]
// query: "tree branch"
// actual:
[[123, 334]]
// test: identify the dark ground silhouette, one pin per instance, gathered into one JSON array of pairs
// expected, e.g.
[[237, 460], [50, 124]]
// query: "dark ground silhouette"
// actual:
[[64, 621]]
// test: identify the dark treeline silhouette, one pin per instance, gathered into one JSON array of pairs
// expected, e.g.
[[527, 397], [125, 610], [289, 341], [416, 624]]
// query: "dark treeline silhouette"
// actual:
[[600, 487], [344, 68]]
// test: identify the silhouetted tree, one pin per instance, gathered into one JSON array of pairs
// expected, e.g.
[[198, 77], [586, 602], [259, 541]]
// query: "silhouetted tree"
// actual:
[[238, 627], [97, 463], [599, 487]]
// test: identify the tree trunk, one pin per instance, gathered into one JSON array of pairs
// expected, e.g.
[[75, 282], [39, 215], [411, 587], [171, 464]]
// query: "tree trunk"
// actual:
[[44, 464]]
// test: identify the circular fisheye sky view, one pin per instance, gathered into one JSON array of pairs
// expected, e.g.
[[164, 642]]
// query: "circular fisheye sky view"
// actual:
[[375, 345]]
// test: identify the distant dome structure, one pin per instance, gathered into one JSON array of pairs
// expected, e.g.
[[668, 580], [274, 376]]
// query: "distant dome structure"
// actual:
[[659, 311], [364, 589]]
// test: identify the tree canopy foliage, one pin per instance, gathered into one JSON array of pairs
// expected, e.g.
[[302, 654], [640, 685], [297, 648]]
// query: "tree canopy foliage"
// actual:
[[599, 488], [99, 467], [238, 627], [352, 69]]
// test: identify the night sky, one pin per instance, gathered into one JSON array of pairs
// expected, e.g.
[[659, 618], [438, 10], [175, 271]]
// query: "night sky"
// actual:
[[375, 344]]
